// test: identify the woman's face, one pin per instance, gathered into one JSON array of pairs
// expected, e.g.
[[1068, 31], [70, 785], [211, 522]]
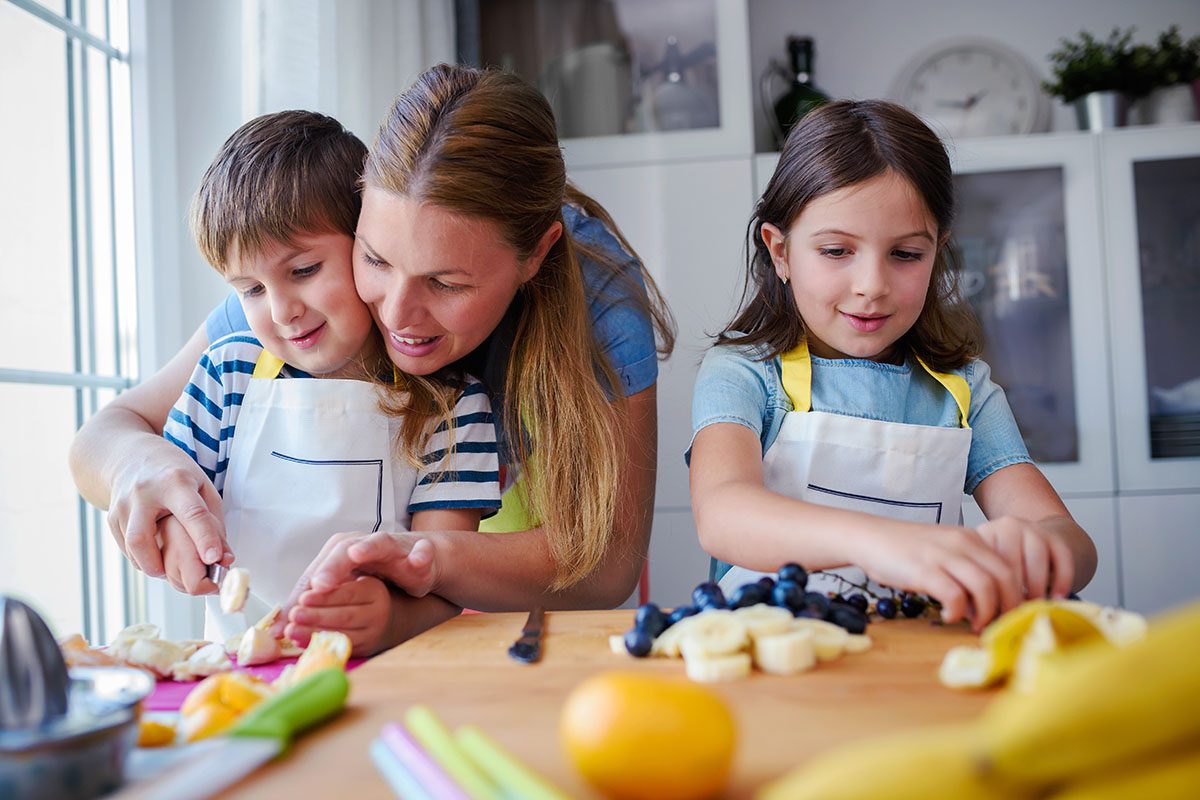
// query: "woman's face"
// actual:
[[437, 283]]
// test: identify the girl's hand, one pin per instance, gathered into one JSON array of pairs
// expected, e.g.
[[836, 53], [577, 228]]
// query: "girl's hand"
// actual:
[[361, 609], [1043, 562], [182, 566], [954, 565]]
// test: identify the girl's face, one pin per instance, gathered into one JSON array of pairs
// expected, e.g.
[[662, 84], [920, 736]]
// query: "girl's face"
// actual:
[[437, 283], [859, 262]]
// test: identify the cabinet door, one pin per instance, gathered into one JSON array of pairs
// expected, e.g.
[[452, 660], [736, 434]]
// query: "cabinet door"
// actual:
[[687, 222], [1097, 516], [1152, 200], [1160, 548], [1028, 246], [629, 80]]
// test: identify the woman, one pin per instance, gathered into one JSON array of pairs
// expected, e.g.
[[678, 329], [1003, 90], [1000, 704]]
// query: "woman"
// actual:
[[473, 252]]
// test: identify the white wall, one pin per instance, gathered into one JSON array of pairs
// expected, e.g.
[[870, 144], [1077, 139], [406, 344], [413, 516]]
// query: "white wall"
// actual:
[[862, 45]]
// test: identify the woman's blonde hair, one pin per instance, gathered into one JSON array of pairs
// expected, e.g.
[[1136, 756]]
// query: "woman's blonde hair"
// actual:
[[483, 143]]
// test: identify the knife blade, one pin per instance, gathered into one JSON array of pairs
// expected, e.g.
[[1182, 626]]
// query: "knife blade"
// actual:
[[217, 573], [264, 733], [528, 648]]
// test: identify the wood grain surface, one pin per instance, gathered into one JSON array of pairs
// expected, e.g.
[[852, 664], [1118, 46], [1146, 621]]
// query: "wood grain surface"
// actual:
[[461, 670]]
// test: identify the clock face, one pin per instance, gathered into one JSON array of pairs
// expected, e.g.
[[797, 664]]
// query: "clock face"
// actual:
[[974, 88]]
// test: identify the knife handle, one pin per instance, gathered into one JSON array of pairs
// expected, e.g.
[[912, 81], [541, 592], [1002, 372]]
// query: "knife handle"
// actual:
[[286, 714]]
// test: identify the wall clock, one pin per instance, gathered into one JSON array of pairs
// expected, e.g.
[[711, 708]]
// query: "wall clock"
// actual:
[[974, 87]]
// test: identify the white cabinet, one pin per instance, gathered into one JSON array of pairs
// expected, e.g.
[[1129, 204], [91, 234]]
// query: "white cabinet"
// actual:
[[1160, 550]]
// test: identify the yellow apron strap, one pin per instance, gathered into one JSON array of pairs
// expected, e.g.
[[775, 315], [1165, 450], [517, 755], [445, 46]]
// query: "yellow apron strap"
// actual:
[[797, 376], [267, 366], [797, 382], [957, 386]]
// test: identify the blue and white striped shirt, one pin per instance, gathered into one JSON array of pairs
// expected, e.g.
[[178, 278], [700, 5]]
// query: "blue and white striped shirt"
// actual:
[[203, 421]]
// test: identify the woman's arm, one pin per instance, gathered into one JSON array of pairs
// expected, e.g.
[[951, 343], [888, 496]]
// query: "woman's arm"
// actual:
[[510, 571], [120, 461], [742, 522], [1029, 525]]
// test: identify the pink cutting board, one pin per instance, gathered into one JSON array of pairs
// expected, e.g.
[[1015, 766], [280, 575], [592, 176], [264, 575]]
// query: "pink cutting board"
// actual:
[[169, 695]]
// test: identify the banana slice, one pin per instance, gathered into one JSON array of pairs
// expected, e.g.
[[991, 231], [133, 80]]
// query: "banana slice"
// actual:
[[786, 653], [616, 643], [668, 642], [714, 669], [1039, 642], [858, 643], [764, 620], [714, 633], [157, 655], [234, 589], [966, 667], [829, 640], [257, 647]]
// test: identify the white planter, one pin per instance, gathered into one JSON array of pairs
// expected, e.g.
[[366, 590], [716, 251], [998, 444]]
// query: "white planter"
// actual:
[[1169, 104]]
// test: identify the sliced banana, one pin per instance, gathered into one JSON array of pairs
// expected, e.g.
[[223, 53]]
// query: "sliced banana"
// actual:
[[714, 669], [234, 590], [965, 667], [829, 640], [764, 620], [257, 647], [858, 643], [1038, 643], [616, 643], [714, 633], [786, 653], [157, 655]]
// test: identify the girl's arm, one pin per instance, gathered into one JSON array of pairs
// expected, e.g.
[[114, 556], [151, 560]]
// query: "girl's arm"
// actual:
[[120, 461], [1029, 525], [742, 522], [512, 571]]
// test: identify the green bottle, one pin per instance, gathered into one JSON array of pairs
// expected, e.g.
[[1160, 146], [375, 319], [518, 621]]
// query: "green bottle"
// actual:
[[802, 96]]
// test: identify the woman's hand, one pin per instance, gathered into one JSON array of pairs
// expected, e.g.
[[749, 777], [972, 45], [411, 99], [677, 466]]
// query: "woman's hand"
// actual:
[[1042, 561], [956, 566], [182, 566]]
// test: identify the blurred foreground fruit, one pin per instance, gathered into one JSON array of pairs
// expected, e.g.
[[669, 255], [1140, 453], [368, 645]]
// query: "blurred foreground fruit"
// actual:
[[641, 737]]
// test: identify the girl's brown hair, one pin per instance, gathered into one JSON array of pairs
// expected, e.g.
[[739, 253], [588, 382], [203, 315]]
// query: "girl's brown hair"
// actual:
[[838, 145], [484, 144]]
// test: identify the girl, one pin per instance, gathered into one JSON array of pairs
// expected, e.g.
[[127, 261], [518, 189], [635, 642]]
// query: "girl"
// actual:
[[844, 411]]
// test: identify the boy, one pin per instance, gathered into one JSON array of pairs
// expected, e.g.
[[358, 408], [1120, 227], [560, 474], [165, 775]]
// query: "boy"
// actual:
[[299, 460]]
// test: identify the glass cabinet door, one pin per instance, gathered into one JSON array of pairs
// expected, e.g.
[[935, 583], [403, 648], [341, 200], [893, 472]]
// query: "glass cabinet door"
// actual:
[[1153, 191], [622, 74], [1028, 245]]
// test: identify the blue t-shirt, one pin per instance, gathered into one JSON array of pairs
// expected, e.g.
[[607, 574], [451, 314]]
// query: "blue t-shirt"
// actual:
[[624, 332], [733, 386]]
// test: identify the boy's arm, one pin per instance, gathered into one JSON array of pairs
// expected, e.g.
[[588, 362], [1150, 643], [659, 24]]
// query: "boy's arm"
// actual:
[[121, 462]]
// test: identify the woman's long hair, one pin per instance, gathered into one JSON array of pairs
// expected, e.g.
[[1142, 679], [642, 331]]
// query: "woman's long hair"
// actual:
[[484, 144], [838, 145]]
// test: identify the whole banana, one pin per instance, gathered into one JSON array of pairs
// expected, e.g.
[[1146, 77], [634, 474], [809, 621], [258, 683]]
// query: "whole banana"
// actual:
[[1098, 708]]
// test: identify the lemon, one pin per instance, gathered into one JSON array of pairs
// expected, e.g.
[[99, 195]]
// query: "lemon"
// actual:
[[636, 736], [206, 691], [209, 719], [152, 733], [241, 690]]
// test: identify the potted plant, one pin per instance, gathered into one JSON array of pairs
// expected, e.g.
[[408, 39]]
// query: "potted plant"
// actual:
[[1099, 77], [1173, 67]]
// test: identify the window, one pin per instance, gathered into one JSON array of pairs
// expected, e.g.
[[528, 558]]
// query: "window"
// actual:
[[68, 325]]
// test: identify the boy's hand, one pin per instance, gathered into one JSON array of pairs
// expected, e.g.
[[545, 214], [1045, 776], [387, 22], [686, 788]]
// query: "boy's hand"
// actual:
[[361, 609], [403, 559], [1043, 562], [954, 565], [182, 566]]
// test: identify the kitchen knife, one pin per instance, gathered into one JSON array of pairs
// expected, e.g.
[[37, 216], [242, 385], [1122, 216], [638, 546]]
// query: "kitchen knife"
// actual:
[[528, 648], [205, 768], [217, 573]]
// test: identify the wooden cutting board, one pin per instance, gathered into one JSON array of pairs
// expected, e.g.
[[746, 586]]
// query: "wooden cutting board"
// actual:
[[462, 671]]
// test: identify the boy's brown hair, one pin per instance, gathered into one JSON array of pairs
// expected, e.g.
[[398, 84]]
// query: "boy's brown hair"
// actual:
[[279, 176], [838, 145]]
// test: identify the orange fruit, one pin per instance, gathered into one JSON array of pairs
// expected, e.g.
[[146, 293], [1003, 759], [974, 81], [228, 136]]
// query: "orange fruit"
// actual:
[[635, 736]]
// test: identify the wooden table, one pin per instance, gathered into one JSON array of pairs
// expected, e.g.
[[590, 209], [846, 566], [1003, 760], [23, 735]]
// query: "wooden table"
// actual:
[[462, 671]]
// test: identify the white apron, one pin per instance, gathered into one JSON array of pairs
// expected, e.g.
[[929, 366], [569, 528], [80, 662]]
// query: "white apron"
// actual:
[[890, 469], [310, 458]]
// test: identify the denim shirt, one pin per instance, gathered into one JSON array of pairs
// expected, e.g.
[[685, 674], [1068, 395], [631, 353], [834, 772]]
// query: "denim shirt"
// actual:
[[734, 386]]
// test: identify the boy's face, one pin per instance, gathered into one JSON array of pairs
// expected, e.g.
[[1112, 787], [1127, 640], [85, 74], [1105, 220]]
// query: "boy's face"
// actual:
[[300, 301]]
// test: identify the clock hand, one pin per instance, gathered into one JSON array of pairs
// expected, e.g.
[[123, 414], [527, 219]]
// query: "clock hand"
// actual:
[[953, 103], [974, 99]]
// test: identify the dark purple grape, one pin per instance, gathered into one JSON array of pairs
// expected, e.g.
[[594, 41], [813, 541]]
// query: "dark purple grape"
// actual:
[[681, 612], [793, 572], [708, 595], [886, 607], [789, 595], [768, 585], [650, 618], [858, 601], [848, 617], [912, 606], [816, 603], [749, 594], [638, 642]]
